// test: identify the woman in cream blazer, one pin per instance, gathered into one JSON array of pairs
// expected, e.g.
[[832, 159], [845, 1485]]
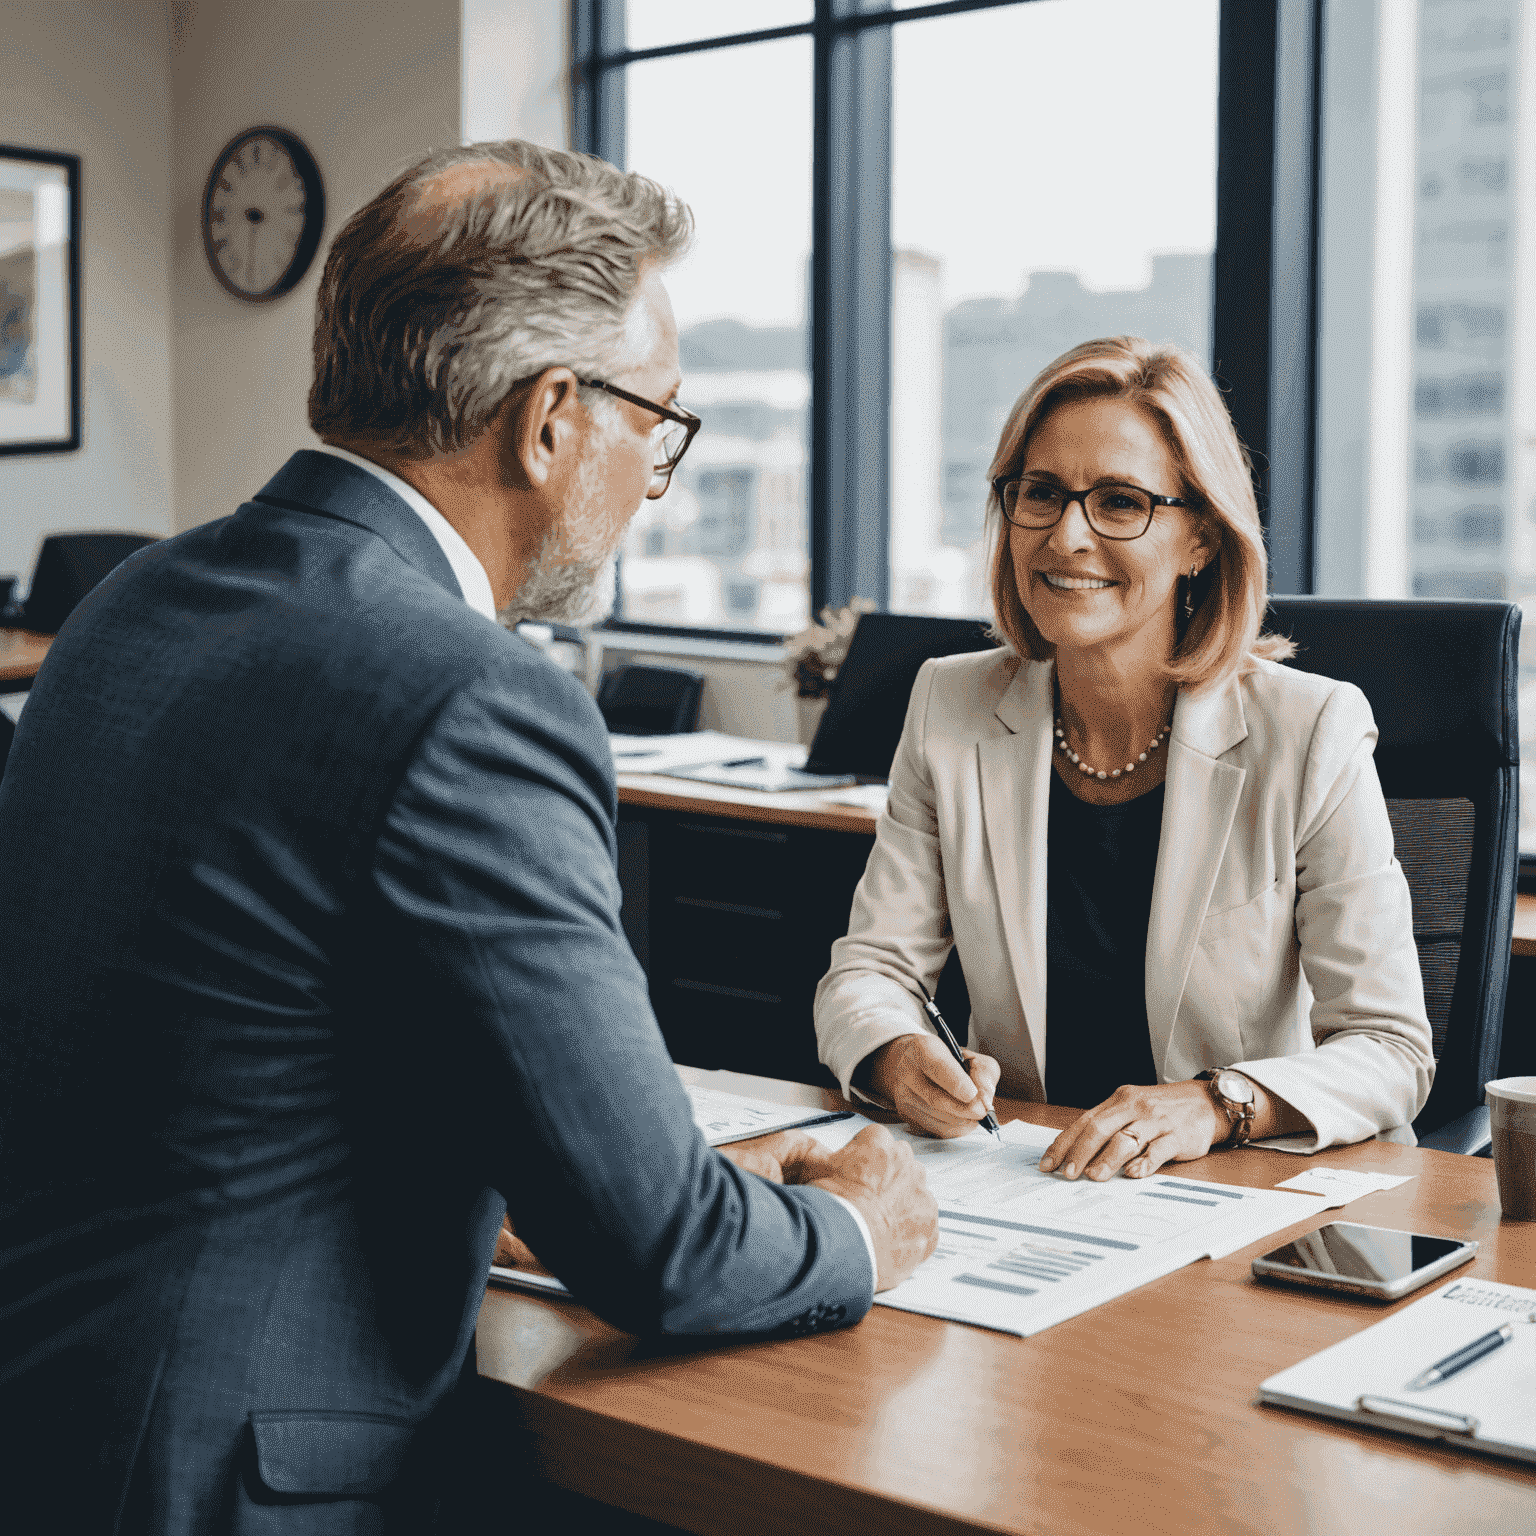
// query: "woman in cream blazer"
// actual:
[[1278, 938]]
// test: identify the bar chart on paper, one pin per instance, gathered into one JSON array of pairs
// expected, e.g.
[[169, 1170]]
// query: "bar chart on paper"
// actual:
[[1020, 1250]]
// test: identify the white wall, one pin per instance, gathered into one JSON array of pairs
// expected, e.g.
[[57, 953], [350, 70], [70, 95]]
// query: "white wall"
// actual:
[[368, 85], [514, 76], [92, 78]]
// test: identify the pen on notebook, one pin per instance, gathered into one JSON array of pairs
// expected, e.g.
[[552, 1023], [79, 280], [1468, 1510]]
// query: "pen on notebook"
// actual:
[[742, 762], [1459, 1361], [931, 1008]]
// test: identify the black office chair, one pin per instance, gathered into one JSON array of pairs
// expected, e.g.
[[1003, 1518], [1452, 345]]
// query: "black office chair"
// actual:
[[651, 701], [68, 566], [1441, 679]]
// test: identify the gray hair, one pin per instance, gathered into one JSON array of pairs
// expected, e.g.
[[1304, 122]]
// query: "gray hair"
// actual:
[[444, 292]]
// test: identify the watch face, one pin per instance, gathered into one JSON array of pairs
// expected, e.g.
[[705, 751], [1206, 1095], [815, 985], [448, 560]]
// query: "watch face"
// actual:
[[262, 213], [1234, 1086]]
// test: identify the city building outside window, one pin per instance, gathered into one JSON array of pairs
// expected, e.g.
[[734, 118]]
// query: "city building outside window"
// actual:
[[1427, 412], [1038, 172]]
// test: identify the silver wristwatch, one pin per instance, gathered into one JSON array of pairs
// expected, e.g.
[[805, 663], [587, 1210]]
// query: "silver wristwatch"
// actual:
[[1235, 1097]]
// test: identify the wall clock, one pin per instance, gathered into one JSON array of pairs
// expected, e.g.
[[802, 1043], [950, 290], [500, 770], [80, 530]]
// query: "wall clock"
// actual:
[[263, 210]]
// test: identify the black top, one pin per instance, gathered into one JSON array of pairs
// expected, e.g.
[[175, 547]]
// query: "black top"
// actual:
[[1100, 865]]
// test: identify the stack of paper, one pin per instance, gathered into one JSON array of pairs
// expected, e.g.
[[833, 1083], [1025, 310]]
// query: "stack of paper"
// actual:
[[1020, 1250]]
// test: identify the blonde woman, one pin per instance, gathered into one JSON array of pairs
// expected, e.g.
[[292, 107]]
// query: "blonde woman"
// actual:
[[1159, 852]]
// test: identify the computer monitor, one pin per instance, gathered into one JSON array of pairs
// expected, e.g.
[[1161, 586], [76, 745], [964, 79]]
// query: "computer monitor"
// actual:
[[862, 724]]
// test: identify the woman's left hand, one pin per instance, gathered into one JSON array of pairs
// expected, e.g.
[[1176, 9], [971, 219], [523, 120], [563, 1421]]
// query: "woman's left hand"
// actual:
[[1139, 1129]]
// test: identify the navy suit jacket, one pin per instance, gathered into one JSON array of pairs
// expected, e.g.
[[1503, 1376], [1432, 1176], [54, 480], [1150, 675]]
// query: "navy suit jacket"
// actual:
[[312, 962]]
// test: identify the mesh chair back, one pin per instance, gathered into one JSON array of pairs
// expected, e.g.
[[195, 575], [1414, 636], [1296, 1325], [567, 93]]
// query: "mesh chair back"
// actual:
[[1441, 681], [68, 566]]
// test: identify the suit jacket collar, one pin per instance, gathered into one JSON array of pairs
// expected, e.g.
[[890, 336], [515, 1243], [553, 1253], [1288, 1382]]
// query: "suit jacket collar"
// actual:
[[330, 487], [1200, 800]]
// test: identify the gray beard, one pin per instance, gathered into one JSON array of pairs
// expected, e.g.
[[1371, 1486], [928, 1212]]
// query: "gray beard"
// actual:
[[560, 590], [573, 578]]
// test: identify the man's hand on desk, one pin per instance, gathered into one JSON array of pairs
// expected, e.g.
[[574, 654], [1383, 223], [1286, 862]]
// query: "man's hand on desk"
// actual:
[[921, 1081], [875, 1172], [882, 1178], [785, 1157]]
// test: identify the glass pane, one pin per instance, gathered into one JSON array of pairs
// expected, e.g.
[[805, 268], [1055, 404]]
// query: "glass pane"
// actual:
[[657, 23], [728, 545], [1054, 179]]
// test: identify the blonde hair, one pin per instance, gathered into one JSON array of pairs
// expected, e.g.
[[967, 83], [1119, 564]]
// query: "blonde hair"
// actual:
[[1224, 636]]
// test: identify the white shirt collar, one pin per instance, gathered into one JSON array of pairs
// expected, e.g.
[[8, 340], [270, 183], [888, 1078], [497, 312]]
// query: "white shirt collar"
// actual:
[[470, 574]]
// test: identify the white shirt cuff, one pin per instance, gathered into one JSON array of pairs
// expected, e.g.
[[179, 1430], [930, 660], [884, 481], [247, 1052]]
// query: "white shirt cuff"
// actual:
[[869, 1242]]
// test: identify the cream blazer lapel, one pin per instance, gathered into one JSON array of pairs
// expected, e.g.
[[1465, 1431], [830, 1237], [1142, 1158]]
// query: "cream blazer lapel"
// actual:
[[1199, 800], [1015, 772]]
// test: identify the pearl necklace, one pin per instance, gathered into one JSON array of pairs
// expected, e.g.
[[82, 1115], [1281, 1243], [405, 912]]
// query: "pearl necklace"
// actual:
[[1113, 773]]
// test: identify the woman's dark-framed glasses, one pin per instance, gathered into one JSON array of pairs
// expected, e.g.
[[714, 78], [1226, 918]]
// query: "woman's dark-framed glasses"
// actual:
[[1113, 511], [672, 437]]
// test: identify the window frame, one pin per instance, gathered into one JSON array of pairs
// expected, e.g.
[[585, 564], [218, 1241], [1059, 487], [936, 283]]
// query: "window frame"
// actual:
[[1264, 269]]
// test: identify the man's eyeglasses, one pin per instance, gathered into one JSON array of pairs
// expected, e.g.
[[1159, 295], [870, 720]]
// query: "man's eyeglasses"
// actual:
[[1113, 511], [672, 436]]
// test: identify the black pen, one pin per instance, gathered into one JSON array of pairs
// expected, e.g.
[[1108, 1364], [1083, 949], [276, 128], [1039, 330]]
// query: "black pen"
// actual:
[[931, 1008], [742, 762], [1470, 1355], [840, 1114]]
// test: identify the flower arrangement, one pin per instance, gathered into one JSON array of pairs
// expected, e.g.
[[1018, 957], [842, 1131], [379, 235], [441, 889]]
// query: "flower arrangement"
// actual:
[[812, 658]]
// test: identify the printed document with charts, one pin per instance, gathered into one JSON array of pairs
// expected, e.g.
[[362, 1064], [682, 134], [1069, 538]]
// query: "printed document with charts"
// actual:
[[1020, 1250]]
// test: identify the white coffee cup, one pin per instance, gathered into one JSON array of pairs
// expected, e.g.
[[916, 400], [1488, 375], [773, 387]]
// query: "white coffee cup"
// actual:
[[1512, 1113]]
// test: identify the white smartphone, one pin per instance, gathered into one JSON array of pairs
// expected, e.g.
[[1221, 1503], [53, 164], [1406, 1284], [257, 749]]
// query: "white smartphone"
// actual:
[[1364, 1261]]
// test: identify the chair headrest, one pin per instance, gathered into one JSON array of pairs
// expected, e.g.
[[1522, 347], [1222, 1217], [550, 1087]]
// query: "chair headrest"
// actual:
[[1436, 672]]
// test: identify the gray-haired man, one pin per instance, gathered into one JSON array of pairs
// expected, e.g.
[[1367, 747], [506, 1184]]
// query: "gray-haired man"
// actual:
[[316, 961]]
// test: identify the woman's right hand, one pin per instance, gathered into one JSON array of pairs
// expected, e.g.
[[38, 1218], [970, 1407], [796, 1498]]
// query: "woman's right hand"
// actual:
[[921, 1081]]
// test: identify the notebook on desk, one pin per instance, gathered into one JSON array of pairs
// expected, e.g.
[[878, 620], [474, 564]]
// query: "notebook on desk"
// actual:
[[1489, 1407]]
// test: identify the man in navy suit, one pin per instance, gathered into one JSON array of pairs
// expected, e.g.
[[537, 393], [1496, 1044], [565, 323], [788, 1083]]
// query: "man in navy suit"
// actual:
[[314, 963]]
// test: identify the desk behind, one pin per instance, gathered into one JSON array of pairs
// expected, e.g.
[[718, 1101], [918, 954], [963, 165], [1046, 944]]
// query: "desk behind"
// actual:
[[21, 655], [732, 900], [1139, 1416]]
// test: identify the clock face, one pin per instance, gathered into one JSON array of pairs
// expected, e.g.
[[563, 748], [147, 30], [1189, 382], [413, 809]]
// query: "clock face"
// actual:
[[262, 213]]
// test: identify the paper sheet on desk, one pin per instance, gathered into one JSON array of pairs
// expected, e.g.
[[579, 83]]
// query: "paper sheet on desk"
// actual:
[[1020, 1250], [661, 754], [1364, 1378], [727, 1117], [1341, 1185], [872, 797]]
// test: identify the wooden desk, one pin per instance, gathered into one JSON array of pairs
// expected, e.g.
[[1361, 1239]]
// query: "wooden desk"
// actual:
[[799, 808], [1525, 925], [732, 900], [21, 654], [1138, 1417]]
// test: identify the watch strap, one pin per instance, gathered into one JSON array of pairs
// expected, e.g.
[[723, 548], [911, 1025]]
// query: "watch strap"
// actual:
[[1239, 1114]]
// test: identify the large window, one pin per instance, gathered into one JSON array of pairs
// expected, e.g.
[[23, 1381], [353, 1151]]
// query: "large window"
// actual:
[[1427, 468], [1053, 179], [904, 211]]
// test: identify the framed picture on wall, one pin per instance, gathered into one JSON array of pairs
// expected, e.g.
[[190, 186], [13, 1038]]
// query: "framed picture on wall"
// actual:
[[39, 301]]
